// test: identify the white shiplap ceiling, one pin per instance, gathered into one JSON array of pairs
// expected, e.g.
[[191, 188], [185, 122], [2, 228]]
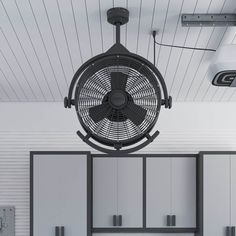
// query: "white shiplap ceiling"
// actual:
[[43, 42]]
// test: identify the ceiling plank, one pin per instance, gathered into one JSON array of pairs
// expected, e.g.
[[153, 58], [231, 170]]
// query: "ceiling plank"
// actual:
[[14, 33], [43, 43]]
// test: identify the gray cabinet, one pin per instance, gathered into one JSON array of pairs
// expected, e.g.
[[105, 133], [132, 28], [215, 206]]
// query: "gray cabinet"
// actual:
[[219, 194], [59, 194], [117, 191], [171, 192]]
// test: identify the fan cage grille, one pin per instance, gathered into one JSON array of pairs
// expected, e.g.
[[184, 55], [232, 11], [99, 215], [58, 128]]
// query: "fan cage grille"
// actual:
[[95, 83]]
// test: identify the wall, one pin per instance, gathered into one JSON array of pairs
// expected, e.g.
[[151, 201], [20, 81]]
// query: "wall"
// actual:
[[187, 128]]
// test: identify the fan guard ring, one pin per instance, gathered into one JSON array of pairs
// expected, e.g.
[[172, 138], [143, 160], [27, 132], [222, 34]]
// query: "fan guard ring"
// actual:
[[141, 82]]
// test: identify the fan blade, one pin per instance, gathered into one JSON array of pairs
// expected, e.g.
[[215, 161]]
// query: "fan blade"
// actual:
[[99, 112], [135, 113], [118, 81]]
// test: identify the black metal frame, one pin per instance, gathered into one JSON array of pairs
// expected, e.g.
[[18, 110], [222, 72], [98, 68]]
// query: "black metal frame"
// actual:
[[149, 139], [110, 57], [89, 186], [200, 192], [144, 229]]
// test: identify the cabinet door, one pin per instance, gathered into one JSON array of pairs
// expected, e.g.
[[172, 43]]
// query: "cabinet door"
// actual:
[[158, 191], [130, 191], [184, 191], [233, 190], [59, 194], [117, 190], [171, 190], [216, 198], [104, 191]]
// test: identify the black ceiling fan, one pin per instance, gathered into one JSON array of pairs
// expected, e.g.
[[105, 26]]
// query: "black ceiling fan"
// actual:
[[118, 96]]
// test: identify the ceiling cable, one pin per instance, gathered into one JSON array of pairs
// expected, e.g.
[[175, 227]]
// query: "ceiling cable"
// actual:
[[175, 46], [154, 47]]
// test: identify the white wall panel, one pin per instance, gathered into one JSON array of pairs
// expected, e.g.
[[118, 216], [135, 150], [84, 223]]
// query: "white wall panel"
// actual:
[[24, 127]]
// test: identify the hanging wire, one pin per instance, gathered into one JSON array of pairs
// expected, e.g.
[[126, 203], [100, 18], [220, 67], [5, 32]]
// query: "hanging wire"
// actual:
[[175, 46], [154, 33]]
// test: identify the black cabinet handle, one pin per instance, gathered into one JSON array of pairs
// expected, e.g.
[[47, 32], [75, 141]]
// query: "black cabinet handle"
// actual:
[[1, 223], [114, 220], [119, 220], [233, 231], [59, 231], [168, 222], [173, 220], [228, 231], [62, 231]]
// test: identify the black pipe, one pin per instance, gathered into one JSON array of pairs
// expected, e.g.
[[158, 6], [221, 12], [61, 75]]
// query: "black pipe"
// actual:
[[154, 33], [118, 33]]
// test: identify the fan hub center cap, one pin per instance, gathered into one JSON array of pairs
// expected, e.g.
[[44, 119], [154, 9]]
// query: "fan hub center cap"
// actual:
[[117, 99]]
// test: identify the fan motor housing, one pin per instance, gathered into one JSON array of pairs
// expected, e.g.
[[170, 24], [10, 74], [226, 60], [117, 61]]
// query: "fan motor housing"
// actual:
[[118, 99]]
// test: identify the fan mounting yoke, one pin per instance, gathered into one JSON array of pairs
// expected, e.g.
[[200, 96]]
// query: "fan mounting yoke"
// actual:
[[117, 15]]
